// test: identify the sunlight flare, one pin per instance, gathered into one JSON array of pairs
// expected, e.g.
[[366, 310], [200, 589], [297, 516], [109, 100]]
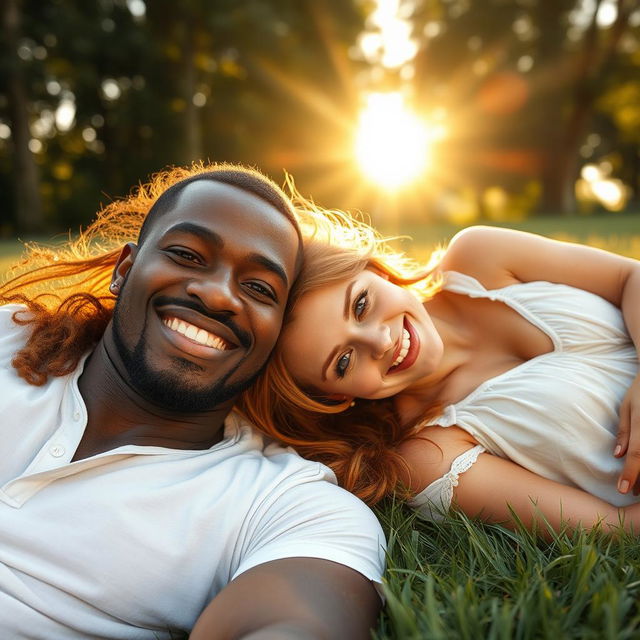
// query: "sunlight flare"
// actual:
[[392, 144]]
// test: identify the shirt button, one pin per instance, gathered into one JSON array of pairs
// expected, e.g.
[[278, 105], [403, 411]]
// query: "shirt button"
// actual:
[[56, 450], [76, 416]]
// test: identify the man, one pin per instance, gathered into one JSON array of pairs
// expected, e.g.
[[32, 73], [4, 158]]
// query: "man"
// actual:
[[132, 499]]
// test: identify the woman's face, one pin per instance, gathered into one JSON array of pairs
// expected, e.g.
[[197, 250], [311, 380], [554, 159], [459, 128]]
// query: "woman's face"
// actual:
[[363, 337]]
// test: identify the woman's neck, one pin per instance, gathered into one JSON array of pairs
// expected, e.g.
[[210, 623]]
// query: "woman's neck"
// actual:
[[455, 332]]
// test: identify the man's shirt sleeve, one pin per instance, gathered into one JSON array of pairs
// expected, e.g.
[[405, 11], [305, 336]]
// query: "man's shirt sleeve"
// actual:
[[306, 515]]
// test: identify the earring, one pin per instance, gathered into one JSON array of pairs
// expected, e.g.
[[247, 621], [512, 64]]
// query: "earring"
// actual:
[[114, 287]]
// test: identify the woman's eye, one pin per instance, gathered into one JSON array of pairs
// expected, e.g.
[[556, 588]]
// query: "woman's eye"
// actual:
[[343, 364], [361, 303], [262, 290]]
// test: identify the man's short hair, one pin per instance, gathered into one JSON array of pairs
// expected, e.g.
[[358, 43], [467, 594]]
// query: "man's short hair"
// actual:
[[243, 178]]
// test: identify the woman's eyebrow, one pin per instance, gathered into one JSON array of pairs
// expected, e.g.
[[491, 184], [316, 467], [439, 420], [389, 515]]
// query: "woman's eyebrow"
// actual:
[[347, 299], [327, 363], [345, 315]]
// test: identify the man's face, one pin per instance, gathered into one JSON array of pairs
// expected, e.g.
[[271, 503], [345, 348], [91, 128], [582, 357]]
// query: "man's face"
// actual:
[[203, 297]]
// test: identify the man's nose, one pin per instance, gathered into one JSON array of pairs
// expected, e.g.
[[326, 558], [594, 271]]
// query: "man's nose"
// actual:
[[217, 290], [378, 340]]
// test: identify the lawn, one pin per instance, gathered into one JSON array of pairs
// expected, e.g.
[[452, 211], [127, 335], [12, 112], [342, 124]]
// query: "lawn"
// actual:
[[615, 232], [619, 233], [463, 580]]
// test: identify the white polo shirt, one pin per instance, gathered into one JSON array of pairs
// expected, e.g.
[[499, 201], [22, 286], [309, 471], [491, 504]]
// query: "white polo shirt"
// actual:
[[134, 542]]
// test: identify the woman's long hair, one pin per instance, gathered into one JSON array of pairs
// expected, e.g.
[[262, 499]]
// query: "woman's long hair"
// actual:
[[64, 290], [359, 443]]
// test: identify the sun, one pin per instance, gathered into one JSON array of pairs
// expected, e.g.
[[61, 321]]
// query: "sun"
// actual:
[[392, 145]]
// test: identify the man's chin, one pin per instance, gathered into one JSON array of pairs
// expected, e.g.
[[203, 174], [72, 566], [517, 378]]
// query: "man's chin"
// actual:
[[179, 386], [177, 395]]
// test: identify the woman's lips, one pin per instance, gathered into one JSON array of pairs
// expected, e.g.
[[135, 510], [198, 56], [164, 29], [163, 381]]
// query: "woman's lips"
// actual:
[[414, 349]]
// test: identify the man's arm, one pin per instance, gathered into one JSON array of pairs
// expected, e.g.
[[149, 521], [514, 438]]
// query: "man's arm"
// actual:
[[301, 598]]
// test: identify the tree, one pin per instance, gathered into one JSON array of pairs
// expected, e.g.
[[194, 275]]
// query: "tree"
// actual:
[[146, 85], [529, 75], [28, 209]]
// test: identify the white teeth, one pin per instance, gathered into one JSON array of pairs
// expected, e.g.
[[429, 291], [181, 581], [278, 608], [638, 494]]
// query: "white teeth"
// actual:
[[404, 349], [196, 334]]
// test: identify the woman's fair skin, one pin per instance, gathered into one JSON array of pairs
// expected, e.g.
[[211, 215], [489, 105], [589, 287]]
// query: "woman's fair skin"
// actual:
[[367, 338]]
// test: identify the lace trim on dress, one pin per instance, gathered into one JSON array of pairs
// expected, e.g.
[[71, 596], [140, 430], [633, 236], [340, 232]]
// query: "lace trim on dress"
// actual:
[[433, 502]]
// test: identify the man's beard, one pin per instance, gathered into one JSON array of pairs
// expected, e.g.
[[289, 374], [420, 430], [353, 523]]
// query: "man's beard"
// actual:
[[170, 390]]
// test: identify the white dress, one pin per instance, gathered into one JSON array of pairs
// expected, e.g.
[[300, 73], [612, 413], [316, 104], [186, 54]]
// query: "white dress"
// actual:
[[556, 414]]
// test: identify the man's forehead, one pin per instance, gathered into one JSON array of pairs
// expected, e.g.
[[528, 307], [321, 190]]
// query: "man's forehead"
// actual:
[[232, 214], [217, 201], [220, 195]]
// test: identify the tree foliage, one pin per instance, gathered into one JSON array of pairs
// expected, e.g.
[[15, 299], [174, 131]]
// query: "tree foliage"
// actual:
[[526, 82], [94, 96], [158, 84]]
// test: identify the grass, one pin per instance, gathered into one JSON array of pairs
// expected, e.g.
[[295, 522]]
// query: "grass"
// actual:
[[460, 579], [619, 233], [463, 580]]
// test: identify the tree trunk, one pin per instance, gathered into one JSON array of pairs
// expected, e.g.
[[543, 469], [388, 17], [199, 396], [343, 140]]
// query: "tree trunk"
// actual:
[[26, 179], [193, 130], [561, 170]]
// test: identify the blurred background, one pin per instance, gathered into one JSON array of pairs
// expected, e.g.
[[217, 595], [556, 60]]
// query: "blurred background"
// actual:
[[428, 115]]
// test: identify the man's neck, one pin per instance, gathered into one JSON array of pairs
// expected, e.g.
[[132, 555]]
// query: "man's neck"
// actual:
[[118, 415]]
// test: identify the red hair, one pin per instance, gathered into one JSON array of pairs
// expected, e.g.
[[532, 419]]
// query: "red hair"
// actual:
[[359, 443], [65, 290]]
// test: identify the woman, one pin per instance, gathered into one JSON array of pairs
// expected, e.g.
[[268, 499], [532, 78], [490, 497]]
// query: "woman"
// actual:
[[504, 378]]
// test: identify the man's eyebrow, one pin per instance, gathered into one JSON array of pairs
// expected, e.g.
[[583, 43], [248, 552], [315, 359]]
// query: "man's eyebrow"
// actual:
[[207, 235], [197, 230], [345, 314], [271, 265]]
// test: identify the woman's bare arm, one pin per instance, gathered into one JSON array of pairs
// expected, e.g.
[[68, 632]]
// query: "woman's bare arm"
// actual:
[[516, 256], [494, 488]]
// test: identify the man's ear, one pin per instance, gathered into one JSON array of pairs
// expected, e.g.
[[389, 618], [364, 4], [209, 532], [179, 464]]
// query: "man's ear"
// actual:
[[124, 262]]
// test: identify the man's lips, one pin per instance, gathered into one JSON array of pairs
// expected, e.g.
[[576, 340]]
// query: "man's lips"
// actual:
[[197, 334], [412, 352], [220, 325]]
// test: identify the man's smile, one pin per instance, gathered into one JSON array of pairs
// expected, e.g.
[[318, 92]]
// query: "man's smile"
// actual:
[[197, 334]]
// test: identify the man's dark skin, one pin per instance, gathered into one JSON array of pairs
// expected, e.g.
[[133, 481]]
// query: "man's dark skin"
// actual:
[[222, 260]]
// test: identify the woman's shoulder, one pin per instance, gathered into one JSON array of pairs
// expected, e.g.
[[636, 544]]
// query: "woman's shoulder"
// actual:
[[430, 452], [483, 253]]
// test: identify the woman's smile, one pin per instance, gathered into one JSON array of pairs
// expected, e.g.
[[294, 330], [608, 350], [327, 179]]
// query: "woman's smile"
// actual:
[[409, 349], [364, 337]]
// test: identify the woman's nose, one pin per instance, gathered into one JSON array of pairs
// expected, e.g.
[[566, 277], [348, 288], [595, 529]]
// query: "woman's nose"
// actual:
[[378, 340]]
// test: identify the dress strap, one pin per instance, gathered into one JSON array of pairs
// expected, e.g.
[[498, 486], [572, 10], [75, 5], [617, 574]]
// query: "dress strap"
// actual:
[[434, 501], [463, 283]]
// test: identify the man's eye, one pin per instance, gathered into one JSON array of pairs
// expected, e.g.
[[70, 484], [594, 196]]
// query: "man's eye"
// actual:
[[361, 304], [184, 255], [262, 290], [343, 364]]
